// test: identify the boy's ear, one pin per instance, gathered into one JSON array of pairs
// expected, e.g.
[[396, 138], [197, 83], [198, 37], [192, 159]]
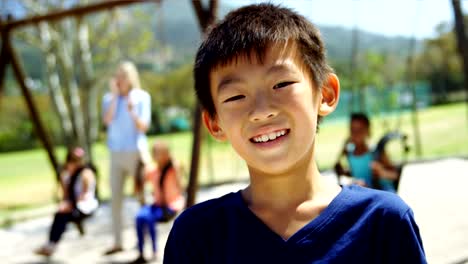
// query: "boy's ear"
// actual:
[[330, 93], [213, 126]]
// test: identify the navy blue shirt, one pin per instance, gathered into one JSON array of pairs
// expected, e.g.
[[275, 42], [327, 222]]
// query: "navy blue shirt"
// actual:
[[360, 225]]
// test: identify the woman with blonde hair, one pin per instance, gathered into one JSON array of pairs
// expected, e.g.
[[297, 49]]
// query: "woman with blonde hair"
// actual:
[[127, 116]]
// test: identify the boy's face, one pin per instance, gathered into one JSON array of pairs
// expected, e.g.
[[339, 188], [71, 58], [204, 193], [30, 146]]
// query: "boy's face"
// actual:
[[359, 132], [268, 111]]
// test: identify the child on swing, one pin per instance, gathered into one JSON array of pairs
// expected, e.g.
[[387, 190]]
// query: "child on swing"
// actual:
[[263, 81], [78, 185], [364, 167], [167, 197]]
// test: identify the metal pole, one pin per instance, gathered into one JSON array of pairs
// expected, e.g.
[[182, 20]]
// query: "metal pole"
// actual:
[[414, 106]]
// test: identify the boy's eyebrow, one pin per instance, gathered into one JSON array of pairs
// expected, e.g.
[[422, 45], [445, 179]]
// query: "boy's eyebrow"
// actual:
[[227, 80], [282, 67], [275, 69]]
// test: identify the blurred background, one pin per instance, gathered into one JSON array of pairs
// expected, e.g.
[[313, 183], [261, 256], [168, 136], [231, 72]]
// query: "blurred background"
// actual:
[[399, 61]]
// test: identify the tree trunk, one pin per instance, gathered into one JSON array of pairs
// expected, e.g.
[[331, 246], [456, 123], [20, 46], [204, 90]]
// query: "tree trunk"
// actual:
[[89, 92], [53, 82], [462, 45], [65, 62]]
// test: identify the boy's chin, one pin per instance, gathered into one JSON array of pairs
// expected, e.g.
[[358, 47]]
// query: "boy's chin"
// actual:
[[273, 170]]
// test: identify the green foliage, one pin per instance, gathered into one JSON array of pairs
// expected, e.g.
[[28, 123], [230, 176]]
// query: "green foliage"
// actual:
[[172, 90], [440, 63], [373, 69], [125, 29], [16, 128]]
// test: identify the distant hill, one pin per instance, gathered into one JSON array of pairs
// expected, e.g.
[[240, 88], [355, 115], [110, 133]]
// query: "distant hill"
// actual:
[[181, 31]]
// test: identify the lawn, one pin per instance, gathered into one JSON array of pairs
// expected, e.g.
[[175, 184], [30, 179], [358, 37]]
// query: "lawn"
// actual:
[[26, 178]]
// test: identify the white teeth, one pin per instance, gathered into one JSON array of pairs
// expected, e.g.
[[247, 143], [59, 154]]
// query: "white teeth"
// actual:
[[270, 136]]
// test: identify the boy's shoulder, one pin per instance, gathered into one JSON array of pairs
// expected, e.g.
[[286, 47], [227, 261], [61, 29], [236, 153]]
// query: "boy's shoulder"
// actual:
[[375, 202], [210, 211]]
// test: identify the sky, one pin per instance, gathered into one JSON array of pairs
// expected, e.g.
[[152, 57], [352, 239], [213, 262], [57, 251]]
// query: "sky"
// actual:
[[387, 17]]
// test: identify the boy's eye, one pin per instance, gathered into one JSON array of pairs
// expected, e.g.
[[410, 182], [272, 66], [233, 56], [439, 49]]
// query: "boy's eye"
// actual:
[[282, 85], [234, 98]]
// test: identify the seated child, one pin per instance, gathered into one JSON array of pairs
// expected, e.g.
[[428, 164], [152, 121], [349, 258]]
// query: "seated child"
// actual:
[[263, 81], [365, 168], [168, 199], [78, 184]]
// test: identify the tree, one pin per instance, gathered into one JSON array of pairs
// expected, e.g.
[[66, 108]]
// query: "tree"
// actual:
[[441, 64]]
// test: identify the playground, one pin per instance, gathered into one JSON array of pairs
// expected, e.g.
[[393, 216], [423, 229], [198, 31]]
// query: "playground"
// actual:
[[439, 207], [416, 94]]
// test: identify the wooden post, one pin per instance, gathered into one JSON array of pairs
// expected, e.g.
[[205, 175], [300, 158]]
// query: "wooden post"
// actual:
[[76, 11], [205, 18], [194, 165], [462, 45], [3, 57], [39, 128]]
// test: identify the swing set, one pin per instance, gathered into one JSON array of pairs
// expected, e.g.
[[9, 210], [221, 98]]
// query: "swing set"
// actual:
[[390, 135], [206, 15]]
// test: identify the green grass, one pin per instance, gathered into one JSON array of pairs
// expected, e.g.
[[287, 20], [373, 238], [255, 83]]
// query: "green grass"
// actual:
[[443, 130], [26, 178]]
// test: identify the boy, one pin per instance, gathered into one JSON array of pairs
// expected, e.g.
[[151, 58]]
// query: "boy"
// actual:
[[263, 81], [368, 167]]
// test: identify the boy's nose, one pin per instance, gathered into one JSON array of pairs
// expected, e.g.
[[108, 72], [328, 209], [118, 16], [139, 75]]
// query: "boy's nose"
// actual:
[[262, 110]]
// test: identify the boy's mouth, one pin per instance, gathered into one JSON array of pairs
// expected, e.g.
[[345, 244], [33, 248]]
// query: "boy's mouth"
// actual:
[[269, 136]]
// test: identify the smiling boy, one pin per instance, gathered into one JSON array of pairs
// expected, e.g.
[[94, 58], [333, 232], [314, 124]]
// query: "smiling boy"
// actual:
[[263, 81]]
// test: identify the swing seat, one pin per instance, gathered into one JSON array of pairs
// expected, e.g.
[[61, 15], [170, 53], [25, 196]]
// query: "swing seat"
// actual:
[[380, 148], [167, 216]]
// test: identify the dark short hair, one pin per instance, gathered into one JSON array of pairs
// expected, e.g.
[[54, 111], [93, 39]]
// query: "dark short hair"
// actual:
[[250, 31], [361, 117]]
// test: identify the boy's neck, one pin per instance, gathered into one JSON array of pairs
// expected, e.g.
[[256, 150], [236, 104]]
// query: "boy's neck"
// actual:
[[288, 190], [361, 149]]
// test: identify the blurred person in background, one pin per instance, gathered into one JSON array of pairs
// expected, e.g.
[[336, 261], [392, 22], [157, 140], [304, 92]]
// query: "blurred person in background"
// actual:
[[127, 115], [167, 197], [78, 185], [365, 167]]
